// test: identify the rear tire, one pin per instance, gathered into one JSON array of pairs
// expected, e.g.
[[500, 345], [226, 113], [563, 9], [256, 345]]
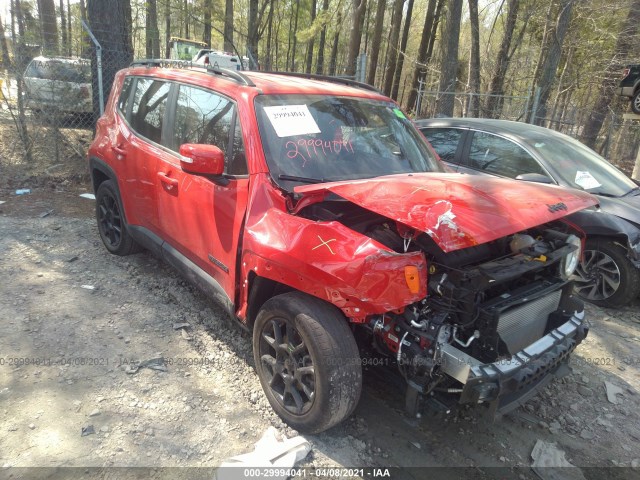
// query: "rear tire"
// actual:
[[606, 277], [111, 223], [307, 361]]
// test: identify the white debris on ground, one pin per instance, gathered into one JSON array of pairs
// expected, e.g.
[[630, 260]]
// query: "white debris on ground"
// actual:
[[270, 451], [549, 463]]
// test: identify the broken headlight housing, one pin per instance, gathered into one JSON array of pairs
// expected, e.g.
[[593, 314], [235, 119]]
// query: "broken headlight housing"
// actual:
[[570, 262]]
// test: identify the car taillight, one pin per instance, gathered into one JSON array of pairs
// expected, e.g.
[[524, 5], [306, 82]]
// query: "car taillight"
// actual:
[[206, 60], [625, 72]]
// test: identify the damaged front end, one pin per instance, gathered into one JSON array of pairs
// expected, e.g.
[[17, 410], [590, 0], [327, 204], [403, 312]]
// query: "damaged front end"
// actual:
[[499, 319]]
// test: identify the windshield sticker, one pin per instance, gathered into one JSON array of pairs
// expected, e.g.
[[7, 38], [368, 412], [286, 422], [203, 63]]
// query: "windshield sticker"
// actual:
[[290, 120], [586, 180], [314, 148], [398, 113], [539, 145]]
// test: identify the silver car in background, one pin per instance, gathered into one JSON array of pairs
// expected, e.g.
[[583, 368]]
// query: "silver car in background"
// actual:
[[55, 84]]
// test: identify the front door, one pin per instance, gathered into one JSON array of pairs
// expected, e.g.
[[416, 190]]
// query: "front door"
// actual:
[[201, 217]]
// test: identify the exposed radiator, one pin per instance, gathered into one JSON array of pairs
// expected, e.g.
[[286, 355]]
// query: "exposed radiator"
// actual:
[[521, 326]]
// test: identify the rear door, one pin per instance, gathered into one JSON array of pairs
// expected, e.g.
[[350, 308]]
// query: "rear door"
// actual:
[[139, 145], [448, 142], [202, 217], [490, 154]]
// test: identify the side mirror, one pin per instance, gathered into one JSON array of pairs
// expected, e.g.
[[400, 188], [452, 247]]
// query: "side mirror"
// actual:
[[201, 159], [534, 177]]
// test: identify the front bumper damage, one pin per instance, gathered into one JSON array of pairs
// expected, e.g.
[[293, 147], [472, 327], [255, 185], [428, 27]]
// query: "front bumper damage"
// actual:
[[509, 383]]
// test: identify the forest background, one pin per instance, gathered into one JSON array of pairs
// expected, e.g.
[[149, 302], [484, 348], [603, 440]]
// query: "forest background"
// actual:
[[558, 61]]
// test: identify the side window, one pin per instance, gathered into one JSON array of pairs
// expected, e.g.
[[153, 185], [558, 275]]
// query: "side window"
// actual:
[[149, 105], [123, 101], [493, 154], [202, 117], [444, 141], [237, 164]]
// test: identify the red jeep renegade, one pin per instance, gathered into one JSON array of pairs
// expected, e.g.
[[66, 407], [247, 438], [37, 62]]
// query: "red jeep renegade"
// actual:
[[313, 211]]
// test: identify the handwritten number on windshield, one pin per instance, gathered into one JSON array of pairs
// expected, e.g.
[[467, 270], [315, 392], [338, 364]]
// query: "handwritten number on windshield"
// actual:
[[313, 148]]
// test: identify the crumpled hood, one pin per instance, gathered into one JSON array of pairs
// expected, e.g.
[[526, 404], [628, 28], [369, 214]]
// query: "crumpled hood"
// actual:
[[458, 211]]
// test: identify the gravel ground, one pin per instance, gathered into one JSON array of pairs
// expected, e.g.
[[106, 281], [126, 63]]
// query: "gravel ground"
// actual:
[[83, 319]]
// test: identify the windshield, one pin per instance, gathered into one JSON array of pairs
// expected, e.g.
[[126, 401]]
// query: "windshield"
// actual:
[[321, 138], [579, 166]]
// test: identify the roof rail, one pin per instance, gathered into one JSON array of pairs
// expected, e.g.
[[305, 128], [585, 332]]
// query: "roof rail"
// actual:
[[325, 78], [169, 63]]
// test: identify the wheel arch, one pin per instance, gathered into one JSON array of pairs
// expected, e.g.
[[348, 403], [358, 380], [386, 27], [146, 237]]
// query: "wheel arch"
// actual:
[[100, 172], [261, 289]]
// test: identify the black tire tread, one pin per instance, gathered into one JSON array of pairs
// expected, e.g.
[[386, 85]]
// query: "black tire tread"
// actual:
[[127, 244], [333, 340]]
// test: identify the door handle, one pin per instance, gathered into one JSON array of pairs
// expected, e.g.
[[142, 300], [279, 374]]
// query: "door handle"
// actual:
[[167, 180], [121, 152]]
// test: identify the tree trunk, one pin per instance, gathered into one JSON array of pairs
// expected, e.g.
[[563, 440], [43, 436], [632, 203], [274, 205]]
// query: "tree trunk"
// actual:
[[69, 35], [186, 19], [267, 57], [117, 51], [20, 62], [403, 47], [333, 60], [420, 70], [552, 59], [228, 26], [295, 39], [474, 60], [544, 45], [396, 21], [49, 25], [86, 44], [492, 105], [206, 33], [167, 27], [359, 8], [314, 5], [63, 28], [152, 33], [323, 39], [376, 42], [449, 65], [4, 48], [252, 37], [625, 45]]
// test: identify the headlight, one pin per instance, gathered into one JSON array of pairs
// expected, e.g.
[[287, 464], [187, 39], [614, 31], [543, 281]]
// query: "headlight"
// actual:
[[570, 261]]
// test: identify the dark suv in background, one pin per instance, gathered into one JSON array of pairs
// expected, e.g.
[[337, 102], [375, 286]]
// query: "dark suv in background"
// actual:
[[630, 86]]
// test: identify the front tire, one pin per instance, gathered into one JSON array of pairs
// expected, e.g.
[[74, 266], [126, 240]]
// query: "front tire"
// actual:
[[111, 222], [307, 361], [635, 103], [606, 277]]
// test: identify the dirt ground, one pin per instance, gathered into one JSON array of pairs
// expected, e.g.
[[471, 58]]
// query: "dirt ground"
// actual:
[[74, 319]]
